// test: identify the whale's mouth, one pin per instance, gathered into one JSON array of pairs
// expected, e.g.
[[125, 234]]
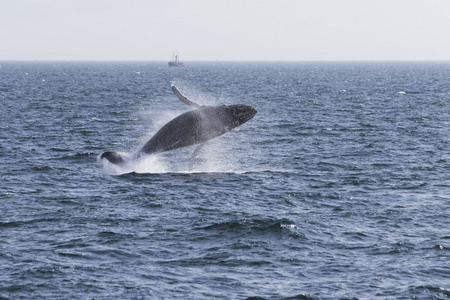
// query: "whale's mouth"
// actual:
[[242, 113], [113, 157]]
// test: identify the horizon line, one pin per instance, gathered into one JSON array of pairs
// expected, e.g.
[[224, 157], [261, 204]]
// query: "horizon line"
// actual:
[[226, 61]]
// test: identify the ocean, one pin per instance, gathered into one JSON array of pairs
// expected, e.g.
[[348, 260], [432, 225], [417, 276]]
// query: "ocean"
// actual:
[[339, 187]]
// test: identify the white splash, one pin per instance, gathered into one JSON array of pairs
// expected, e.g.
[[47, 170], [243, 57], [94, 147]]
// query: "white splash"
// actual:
[[145, 164]]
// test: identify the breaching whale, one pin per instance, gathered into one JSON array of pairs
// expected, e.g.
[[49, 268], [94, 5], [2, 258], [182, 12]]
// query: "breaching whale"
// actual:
[[194, 127]]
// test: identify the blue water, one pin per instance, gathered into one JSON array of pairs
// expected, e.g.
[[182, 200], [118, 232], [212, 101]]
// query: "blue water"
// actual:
[[339, 188]]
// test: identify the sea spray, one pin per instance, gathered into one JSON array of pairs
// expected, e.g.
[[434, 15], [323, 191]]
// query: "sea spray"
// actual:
[[145, 164]]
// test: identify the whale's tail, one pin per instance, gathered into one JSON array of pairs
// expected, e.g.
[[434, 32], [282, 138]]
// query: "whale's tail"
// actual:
[[113, 157]]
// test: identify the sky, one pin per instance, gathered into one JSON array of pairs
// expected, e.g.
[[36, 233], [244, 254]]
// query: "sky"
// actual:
[[225, 30]]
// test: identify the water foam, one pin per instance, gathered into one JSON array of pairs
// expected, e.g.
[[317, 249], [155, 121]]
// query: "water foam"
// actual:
[[145, 164]]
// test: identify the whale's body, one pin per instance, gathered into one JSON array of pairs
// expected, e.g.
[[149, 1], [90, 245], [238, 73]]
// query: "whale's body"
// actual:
[[191, 128], [198, 126]]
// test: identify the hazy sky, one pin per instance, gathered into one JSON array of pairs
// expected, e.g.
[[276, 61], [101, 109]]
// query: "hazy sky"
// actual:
[[295, 30]]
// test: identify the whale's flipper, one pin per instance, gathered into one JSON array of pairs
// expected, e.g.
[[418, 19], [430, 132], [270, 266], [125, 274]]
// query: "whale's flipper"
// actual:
[[113, 157], [194, 154], [183, 98]]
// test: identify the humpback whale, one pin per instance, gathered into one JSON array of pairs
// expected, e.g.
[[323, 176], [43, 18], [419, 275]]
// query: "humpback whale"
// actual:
[[194, 127]]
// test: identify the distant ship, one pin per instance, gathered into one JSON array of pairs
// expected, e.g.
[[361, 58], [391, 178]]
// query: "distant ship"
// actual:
[[175, 62]]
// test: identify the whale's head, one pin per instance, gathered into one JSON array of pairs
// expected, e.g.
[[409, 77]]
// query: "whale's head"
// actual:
[[240, 113]]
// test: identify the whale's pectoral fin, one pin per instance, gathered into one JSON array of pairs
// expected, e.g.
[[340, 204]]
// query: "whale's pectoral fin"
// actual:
[[194, 154], [113, 157], [183, 98]]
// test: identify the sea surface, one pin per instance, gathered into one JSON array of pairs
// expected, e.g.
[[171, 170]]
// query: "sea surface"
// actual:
[[339, 188]]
